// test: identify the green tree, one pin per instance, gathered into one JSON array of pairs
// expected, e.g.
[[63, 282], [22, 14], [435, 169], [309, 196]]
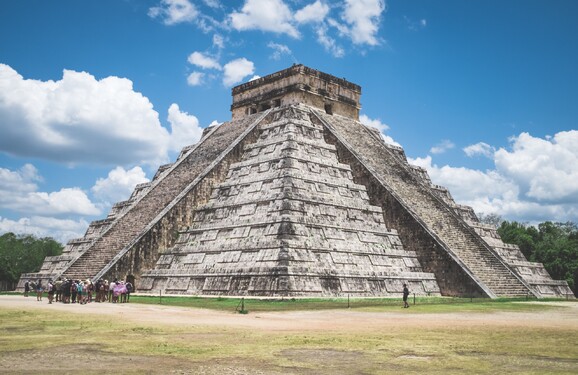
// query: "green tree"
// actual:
[[520, 234], [555, 245], [24, 253], [557, 249]]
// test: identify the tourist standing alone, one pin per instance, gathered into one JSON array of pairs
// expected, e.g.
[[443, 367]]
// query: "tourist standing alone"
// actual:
[[405, 295], [26, 288]]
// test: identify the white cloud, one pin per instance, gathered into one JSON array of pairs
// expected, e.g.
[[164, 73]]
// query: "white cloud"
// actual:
[[19, 192], [23, 180], [315, 12], [185, 128], [342, 29], [480, 148], [376, 123], [61, 230], [212, 3], [545, 169], [329, 43], [279, 50], [467, 185], [266, 15], [236, 70], [363, 16], [118, 185], [66, 200], [203, 61], [415, 25], [218, 41], [195, 78], [533, 181], [79, 119], [442, 147], [172, 12]]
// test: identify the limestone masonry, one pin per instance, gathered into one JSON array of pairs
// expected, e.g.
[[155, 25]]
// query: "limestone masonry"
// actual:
[[295, 197]]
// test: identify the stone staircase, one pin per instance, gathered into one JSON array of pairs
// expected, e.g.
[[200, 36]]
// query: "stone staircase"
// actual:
[[165, 189], [288, 220], [437, 218]]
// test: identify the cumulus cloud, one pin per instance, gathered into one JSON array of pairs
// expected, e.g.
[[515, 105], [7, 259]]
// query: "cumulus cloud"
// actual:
[[546, 169], [331, 22], [236, 70], [466, 185], [118, 185], [19, 193], [203, 61], [481, 148], [185, 128], [533, 180], [312, 13], [23, 180], [363, 18], [62, 230], [265, 15], [442, 147], [195, 79], [79, 119], [172, 12], [376, 123], [233, 72]]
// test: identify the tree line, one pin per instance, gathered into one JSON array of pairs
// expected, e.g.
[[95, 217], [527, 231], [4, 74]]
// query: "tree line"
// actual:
[[23, 254], [553, 244]]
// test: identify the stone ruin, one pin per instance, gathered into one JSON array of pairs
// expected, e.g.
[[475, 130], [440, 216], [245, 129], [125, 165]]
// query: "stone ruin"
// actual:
[[295, 197]]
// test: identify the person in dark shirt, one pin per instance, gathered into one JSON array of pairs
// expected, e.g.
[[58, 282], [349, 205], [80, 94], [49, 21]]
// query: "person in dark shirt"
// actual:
[[405, 295]]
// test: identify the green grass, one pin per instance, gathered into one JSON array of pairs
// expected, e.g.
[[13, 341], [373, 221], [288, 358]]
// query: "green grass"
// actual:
[[477, 349], [421, 304], [155, 348]]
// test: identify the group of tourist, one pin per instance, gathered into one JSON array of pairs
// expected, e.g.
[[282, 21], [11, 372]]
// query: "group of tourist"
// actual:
[[81, 291]]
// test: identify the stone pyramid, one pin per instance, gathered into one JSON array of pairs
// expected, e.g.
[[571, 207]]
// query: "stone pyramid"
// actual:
[[288, 220], [295, 197]]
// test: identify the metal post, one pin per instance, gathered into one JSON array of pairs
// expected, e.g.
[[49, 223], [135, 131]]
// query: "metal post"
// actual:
[[160, 297], [414, 299], [348, 300]]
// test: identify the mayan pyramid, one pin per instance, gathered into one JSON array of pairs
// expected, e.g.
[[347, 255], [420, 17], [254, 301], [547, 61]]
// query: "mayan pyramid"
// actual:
[[295, 197]]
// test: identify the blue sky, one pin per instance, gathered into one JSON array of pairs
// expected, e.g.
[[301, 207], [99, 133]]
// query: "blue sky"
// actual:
[[95, 95]]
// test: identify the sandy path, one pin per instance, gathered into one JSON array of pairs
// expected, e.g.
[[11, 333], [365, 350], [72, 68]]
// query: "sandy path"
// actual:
[[326, 320]]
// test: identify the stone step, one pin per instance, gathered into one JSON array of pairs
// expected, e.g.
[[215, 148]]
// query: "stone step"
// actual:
[[419, 199]]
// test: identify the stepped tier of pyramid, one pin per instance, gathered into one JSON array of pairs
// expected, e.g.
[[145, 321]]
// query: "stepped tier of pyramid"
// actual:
[[295, 197]]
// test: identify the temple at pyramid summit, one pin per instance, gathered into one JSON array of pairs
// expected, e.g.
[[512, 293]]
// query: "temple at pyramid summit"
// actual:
[[295, 197]]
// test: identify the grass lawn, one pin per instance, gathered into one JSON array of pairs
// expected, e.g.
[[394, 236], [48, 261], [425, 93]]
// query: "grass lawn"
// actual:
[[81, 343]]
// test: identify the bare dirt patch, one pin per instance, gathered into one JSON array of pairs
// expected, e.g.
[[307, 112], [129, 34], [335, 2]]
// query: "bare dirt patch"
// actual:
[[326, 320], [218, 327]]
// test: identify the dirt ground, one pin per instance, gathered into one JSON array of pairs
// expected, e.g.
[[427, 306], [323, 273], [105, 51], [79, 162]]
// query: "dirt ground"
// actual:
[[326, 320], [294, 321]]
